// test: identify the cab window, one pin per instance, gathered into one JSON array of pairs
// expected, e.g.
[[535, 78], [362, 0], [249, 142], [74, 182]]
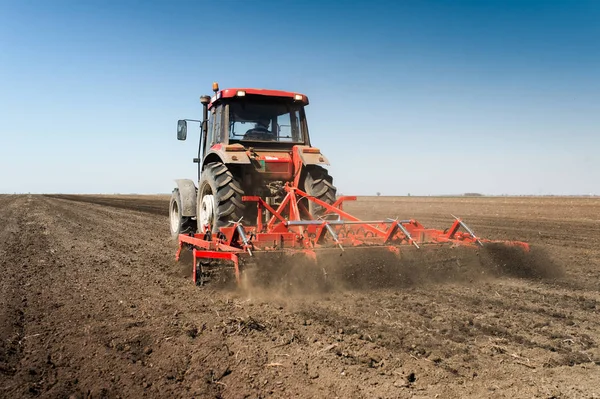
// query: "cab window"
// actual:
[[215, 126]]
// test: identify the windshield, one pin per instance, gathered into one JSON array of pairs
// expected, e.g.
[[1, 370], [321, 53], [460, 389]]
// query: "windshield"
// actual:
[[265, 120]]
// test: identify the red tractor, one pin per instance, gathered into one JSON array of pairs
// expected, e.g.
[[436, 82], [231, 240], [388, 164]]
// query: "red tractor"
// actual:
[[252, 142]]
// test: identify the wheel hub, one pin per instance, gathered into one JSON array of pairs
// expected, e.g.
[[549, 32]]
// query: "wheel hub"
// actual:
[[207, 211], [175, 217]]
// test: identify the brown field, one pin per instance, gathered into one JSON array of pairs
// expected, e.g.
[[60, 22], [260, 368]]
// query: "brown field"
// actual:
[[92, 304]]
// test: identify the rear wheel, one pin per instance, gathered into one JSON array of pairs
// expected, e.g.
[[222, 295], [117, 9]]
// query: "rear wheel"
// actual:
[[319, 184], [219, 198], [179, 224]]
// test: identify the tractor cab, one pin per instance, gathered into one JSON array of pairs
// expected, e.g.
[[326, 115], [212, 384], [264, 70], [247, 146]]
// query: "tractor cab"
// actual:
[[257, 118]]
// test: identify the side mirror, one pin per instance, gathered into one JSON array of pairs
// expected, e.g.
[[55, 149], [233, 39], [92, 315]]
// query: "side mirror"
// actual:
[[181, 130]]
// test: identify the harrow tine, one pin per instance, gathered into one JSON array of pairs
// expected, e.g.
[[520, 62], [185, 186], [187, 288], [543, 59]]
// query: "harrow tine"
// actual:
[[464, 225], [242, 233], [405, 232], [335, 237]]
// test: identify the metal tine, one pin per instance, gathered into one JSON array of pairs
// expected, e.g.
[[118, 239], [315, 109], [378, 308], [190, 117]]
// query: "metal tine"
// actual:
[[242, 233], [464, 225], [404, 231], [335, 237]]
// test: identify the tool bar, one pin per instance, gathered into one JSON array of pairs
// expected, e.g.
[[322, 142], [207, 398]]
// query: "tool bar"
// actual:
[[339, 222]]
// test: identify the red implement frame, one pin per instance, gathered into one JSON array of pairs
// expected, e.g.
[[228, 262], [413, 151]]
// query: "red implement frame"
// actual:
[[292, 229]]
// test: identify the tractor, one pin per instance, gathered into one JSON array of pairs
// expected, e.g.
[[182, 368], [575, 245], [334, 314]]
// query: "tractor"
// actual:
[[252, 143]]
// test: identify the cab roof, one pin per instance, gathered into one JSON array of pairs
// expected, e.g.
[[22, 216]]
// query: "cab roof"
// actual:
[[241, 92]]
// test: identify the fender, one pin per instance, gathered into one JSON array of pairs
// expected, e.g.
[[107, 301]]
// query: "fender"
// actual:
[[310, 155], [233, 153], [187, 192], [303, 155]]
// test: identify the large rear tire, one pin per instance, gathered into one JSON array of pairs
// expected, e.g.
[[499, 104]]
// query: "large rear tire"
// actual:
[[179, 224], [319, 184], [219, 198]]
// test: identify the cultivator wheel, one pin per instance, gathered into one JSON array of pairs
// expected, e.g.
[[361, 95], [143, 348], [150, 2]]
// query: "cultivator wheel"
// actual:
[[214, 272]]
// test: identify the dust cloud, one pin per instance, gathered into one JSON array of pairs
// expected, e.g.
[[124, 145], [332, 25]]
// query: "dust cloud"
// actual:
[[379, 268]]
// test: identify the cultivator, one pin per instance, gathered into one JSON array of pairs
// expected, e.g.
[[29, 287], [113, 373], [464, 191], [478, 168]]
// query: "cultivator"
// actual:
[[290, 230]]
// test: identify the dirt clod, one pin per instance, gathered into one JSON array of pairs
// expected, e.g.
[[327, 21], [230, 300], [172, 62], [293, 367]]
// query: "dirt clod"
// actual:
[[411, 378]]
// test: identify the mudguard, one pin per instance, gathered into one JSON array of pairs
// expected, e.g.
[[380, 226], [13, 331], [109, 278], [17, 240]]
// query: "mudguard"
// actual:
[[187, 192], [234, 153], [314, 157]]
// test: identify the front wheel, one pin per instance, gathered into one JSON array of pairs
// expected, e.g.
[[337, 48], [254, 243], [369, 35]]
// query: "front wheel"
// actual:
[[179, 224]]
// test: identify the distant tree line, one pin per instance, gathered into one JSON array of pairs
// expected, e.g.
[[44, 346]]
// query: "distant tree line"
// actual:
[[473, 195]]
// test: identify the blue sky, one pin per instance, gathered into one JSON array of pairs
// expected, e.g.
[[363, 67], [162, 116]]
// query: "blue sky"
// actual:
[[420, 97]]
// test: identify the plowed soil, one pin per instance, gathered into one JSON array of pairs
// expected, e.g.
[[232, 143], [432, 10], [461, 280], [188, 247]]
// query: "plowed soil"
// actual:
[[92, 304]]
